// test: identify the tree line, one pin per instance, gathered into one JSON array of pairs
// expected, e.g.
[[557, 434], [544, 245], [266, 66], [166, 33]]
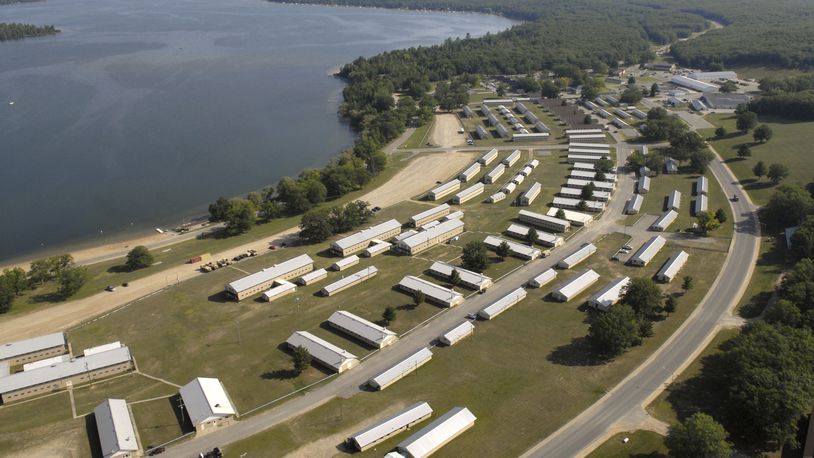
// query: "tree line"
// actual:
[[17, 31], [59, 270]]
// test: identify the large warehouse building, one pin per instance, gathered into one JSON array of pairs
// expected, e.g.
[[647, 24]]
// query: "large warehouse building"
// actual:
[[33, 349], [259, 282], [360, 240], [77, 371]]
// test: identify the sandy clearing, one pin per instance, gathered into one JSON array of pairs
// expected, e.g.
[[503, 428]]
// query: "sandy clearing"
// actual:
[[419, 176], [444, 133]]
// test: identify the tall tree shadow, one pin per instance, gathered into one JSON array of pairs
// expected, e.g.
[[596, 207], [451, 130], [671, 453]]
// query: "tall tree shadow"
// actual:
[[576, 353]]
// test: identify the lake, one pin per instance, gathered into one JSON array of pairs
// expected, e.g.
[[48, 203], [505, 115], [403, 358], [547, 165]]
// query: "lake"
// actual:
[[139, 114]]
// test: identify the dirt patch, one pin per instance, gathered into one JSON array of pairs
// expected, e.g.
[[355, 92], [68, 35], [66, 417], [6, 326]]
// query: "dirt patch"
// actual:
[[418, 177], [444, 132], [326, 447]]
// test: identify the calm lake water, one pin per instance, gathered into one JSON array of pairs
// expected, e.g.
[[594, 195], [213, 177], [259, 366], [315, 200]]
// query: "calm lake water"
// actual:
[[140, 113]]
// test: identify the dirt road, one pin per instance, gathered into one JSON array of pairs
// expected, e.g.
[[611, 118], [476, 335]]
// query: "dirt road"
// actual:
[[444, 133], [419, 176]]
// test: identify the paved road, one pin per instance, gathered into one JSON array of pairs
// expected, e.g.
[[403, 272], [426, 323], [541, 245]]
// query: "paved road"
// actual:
[[353, 381], [594, 425]]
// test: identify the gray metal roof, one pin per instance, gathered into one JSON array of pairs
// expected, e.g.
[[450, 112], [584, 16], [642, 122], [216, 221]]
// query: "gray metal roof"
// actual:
[[321, 350], [271, 273], [431, 212], [115, 427], [367, 234], [431, 233], [64, 370], [363, 274], [361, 327], [205, 399], [22, 347]]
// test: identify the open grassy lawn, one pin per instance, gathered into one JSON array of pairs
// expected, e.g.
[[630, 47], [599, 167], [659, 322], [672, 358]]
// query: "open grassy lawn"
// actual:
[[523, 375], [158, 421], [771, 263], [655, 201], [419, 138], [44, 422], [640, 444], [791, 145], [130, 387], [114, 273]]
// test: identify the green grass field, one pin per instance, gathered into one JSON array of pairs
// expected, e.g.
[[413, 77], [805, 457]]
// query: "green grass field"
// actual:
[[113, 273], [190, 330], [419, 138], [523, 375], [640, 444], [790, 146], [655, 201], [44, 422]]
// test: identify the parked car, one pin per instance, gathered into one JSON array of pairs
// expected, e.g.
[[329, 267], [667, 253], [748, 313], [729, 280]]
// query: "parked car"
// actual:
[[157, 451]]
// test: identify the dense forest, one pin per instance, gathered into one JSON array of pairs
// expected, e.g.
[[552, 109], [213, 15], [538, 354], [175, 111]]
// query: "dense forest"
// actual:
[[757, 32], [14, 31]]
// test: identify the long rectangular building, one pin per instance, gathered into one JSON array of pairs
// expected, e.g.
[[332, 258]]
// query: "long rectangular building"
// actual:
[[344, 263], [77, 371], [574, 158], [438, 433], [494, 174], [33, 349], [528, 137], [701, 204], [313, 277], [588, 151], [643, 185], [116, 430], [351, 280], [693, 84], [576, 218], [283, 288], [575, 193], [389, 427], [577, 256], [362, 329], [261, 281], [576, 286], [579, 183], [206, 402], [360, 240], [496, 197], [584, 166], [609, 295], [481, 132], [457, 334], [513, 157], [674, 200], [672, 266], [432, 214], [501, 305], [376, 249], [402, 369], [648, 251], [427, 239], [528, 197], [543, 279], [516, 249], [543, 221], [587, 131], [634, 204], [489, 157], [544, 238], [324, 352], [573, 204], [445, 189], [434, 293], [468, 194], [470, 172], [701, 185], [471, 280], [665, 220], [593, 146]]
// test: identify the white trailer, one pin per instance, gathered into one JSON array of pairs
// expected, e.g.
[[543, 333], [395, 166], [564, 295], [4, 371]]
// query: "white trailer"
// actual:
[[583, 253], [468, 193], [664, 221], [673, 265], [495, 198], [501, 305], [457, 334], [609, 295], [576, 286], [509, 187], [543, 279]]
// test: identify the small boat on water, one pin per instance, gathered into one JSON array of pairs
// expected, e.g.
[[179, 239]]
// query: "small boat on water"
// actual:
[[11, 103]]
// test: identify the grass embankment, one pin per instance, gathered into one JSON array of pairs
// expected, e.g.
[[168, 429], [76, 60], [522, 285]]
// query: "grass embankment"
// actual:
[[189, 330], [419, 137], [790, 145], [640, 444], [115, 273]]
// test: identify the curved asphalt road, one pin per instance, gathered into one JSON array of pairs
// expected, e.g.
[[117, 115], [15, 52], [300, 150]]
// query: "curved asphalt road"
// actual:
[[596, 424]]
